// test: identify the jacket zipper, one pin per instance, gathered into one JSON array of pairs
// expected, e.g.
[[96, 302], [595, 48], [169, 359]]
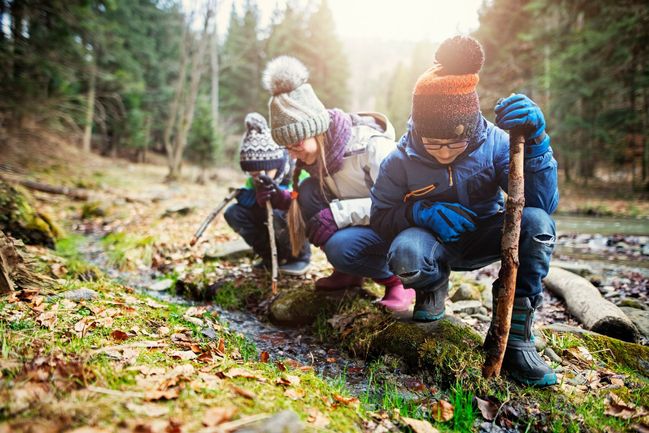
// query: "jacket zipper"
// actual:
[[450, 176]]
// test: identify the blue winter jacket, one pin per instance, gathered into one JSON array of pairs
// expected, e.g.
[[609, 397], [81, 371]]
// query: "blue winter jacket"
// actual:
[[476, 179]]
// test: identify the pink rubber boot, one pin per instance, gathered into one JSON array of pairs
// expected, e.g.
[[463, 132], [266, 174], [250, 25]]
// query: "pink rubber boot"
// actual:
[[396, 298]]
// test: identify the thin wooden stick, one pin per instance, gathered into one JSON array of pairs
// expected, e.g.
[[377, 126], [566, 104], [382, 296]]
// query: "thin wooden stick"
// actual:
[[273, 245], [508, 255]]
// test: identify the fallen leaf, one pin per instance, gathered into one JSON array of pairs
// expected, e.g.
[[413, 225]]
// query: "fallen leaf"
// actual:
[[241, 372], [84, 325], [153, 410], [88, 429], [180, 338], [119, 335], [487, 408], [167, 394], [163, 330], [217, 415], [618, 408], [280, 366], [317, 418], [442, 411], [264, 357], [243, 392], [221, 347], [419, 426], [348, 401], [295, 394], [47, 320], [185, 355]]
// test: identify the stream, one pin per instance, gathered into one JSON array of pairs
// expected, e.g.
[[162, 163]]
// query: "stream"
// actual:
[[615, 250]]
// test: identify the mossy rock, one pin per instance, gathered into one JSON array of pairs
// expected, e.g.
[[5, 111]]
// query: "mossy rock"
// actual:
[[92, 209], [302, 305], [19, 219]]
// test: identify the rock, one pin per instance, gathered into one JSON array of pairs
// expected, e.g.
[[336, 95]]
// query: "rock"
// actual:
[[161, 286], [552, 355], [482, 317], [301, 305], [283, 422], [466, 292], [180, 210], [596, 280], [487, 298], [483, 311], [82, 294], [576, 268], [232, 249], [633, 303], [539, 341], [467, 307], [209, 333], [645, 250], [640, 319]]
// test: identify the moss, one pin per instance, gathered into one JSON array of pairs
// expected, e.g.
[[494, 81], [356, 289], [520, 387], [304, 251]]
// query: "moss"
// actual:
[[92, 209], [618, 352], [303, 305], [22, 221]]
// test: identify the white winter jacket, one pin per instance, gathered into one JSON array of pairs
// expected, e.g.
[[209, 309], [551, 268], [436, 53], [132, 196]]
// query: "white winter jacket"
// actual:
[[361, 162]]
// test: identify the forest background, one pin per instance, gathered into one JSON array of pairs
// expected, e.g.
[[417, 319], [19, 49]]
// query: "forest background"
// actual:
[[131, 77]]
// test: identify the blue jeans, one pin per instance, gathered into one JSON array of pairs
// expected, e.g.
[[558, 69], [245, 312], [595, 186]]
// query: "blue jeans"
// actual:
[[250, 223], [423, 263], [356, 250]]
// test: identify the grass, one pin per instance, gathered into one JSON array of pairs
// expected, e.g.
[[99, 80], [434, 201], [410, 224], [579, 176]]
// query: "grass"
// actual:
[[126, 251], [76, 266], [463, 416]]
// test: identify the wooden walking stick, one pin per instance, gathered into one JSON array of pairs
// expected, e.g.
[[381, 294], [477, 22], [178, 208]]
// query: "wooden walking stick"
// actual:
[[508, 255], [273, 246]]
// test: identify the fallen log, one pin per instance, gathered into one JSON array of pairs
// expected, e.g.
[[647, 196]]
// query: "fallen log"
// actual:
[[589, 307], [75, 193], [6, 258]]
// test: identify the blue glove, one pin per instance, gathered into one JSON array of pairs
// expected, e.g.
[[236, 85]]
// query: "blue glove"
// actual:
[[520, 112], [247, 197], [446, 220]]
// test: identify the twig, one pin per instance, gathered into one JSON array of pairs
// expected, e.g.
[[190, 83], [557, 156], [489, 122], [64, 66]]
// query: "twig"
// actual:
[[273, 245], [115, 393], [137, 344]]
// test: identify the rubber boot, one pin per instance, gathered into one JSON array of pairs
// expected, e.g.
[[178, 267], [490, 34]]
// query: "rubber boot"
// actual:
[[338, 281], [429, 304], [522, 362], [396, 297]]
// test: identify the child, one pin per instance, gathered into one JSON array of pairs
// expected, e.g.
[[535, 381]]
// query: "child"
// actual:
[[439, 200], [263, 160], [342, 153]]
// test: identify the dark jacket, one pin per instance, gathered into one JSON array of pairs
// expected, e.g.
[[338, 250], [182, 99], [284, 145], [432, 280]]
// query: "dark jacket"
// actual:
[[476, 179]]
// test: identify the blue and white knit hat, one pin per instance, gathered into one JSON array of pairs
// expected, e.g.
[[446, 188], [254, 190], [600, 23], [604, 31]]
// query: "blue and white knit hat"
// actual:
[[258, 150]]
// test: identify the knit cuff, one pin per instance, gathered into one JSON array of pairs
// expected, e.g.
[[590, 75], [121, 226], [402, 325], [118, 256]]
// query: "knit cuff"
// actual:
[[537, 147]]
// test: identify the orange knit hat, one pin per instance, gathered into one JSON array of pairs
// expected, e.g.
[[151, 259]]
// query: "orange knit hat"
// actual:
[[444, 101]]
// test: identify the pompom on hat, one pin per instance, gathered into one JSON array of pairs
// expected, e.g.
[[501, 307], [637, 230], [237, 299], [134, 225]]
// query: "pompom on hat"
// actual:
[[296, 113], [444, 101], [258, 151]]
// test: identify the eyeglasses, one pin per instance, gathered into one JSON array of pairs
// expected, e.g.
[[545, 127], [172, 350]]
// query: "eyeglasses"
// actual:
[[437, 146]]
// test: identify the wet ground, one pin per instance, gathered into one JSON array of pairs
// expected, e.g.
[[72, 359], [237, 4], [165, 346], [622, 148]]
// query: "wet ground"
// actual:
[[618, 265]]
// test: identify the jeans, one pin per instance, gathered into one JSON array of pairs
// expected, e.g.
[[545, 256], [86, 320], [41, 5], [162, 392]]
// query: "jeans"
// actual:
[[423, 263], [250, 223], [356, 250]]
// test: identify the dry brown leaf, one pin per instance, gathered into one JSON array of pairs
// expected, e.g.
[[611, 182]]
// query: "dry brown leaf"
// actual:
[[317, 418], [185, 355], [487, 408], [243, 392], [23, 397], [119, 335], [149, 409], [217, 415], [348, 401], [221, 347], [167, 394], [88, 429], [264, 357], [47, 320], [241, 372], [419, 426], [163, 330], [618, 408], [442, 411], [295, 394], [84, 325], [580, 354]]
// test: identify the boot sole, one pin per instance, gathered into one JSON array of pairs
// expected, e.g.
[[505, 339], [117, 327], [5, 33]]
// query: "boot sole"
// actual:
[[547, 380], [422, 316]]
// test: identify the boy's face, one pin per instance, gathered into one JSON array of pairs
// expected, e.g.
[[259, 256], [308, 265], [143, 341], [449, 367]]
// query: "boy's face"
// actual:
[[269, 173], [444, 150]]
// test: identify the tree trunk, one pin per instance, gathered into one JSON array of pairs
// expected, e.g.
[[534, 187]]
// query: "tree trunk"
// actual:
[[6, 253], [589, 307], [90, 107], [214, 56], [509, 256]]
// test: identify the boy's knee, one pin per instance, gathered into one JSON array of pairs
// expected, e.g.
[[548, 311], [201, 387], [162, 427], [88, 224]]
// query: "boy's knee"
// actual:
[[539, 225]]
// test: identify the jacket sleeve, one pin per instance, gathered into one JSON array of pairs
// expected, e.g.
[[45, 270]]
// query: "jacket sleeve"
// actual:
[[540, 174], [356, 212], [389, 214]]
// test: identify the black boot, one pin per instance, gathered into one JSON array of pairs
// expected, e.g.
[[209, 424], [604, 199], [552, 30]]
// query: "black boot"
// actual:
[[521, 360], [429, 304]]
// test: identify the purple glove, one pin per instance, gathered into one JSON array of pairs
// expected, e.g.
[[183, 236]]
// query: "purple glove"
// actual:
[[281, 199], [262, 195], [321, 227]]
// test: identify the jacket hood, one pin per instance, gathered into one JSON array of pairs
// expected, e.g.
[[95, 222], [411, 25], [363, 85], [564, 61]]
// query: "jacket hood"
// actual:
[[412, 145]]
